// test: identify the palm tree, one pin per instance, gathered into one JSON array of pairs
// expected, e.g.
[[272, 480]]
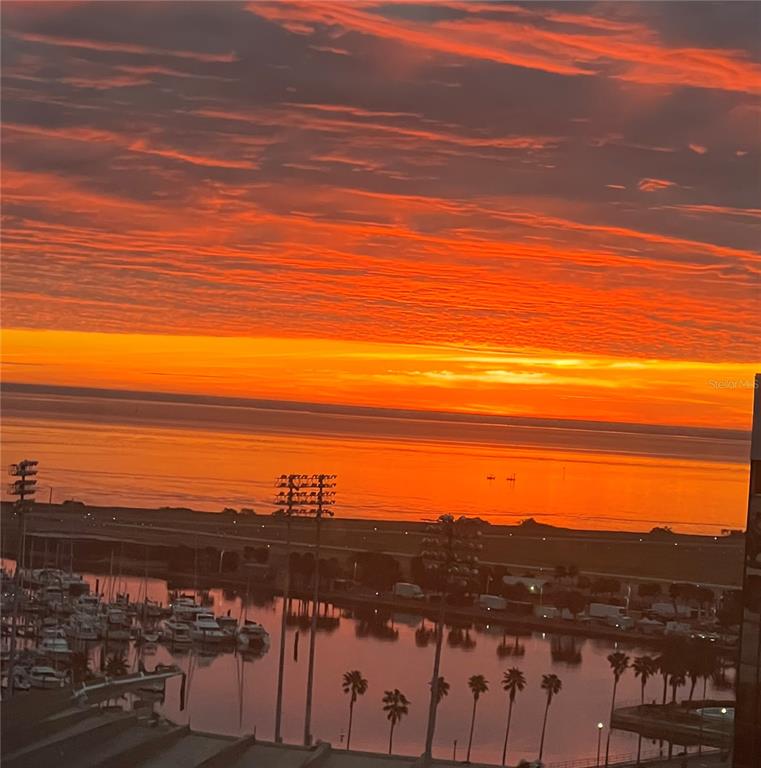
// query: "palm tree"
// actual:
[[355, 685], [442, 690], [708, 666], [668, 662], [512, 681], [116, 665], [478, 685], [552, 684], [396, 706], [644, 668], [619, 663], [678, 679]]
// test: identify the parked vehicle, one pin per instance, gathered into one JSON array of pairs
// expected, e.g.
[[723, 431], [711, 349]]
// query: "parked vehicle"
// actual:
[[621, 622], [604, 610], [668, 610], [405, 589], [492, 602]]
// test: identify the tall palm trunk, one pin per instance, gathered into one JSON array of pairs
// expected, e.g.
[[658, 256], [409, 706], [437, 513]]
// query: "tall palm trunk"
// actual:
[[351, 717], [313, 635], [665, 687], [283, 632], [544, 728], [472, 727], [610, 723], [702, 707], [507, 731], [391, 737], [639, 738], [433, 704]]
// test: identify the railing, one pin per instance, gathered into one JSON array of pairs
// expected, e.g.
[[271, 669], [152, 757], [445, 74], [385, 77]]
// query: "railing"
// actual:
[[622, 760]]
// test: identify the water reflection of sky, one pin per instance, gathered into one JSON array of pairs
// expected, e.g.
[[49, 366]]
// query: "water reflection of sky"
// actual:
[[581, 486], [231, 694]]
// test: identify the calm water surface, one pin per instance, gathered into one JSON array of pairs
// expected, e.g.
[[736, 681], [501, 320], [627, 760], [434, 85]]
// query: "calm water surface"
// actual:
[[135, 453], [230, 694]]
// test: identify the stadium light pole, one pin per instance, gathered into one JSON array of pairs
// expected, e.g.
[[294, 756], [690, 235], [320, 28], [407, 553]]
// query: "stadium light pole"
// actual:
[[309, 496], [286, 499], [321, 498], [23, 488], [449, 551]]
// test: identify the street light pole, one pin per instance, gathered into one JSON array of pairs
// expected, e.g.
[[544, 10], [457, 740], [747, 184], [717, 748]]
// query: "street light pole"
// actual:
[[600, 726]]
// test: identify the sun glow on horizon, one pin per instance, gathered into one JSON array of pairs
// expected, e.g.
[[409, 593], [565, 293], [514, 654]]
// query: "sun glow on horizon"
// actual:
[[540, 383]]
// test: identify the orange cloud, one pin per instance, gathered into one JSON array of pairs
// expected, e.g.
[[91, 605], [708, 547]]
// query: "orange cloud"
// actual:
[[576, 49], [122, 47]]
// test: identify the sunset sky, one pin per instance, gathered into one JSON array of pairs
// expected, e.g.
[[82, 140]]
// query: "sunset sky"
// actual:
[[538, 209]]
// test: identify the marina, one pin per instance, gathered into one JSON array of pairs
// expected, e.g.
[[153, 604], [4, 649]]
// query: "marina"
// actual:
[[221, 640]]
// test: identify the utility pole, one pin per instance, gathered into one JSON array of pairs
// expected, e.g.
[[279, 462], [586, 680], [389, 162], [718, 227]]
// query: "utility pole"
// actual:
[[449, 552], [23, 488]]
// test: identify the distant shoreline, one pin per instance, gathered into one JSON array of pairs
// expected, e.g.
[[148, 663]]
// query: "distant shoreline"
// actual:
[[660, 556]]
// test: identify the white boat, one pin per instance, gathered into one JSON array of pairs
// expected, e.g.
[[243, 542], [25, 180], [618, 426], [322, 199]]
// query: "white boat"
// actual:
[[205, 629], [229, 625], [53, 642], [185, 608], [116, 625], [45, 677], [20, 681], [74, 583], [82, 626], [175, 632], [252, 635], [52, 596], [87, 604], [150, 609]]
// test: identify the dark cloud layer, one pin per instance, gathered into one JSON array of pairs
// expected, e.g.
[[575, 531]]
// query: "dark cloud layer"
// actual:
[[575, 176]]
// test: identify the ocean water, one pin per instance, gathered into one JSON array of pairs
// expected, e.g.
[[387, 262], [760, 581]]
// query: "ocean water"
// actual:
[[152, 450]]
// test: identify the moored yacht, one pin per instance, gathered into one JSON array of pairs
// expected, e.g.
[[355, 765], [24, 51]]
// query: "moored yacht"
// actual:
[[116, 625], [53, 643], [175, 632], [205, 629], [185, 608], [252, 635], [45, 677], [82, 626], [229, 625]]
